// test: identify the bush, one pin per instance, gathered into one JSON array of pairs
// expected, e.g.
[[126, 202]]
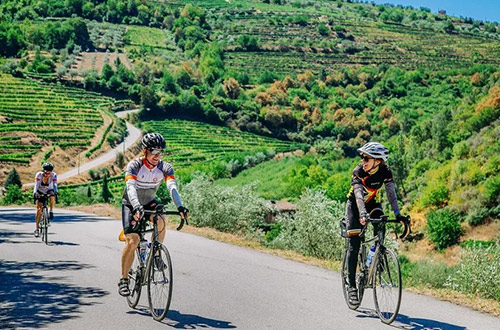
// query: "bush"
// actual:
[[228, 209], [443, 227], [13, 179], [478, 272], [425, 273], [435, 194], [14, 195], [492, 189], [313, 230], [323, 29]]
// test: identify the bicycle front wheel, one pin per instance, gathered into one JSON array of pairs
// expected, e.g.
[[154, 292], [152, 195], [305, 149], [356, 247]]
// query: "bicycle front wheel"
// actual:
[[135, 281], [160, 282], [44, 226], [387, 286]]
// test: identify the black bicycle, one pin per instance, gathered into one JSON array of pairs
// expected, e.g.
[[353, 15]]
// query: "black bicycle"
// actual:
[[155, 271], [43, 225], [383, 274]]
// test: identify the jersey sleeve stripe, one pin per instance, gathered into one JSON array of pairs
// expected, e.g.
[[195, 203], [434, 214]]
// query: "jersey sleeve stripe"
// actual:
[[130, 177], [169, 177]]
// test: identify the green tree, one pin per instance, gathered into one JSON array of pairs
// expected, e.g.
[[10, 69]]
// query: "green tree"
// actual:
[[106, 193], [148, 97], [211, 64], [13, 179], [168, 83]]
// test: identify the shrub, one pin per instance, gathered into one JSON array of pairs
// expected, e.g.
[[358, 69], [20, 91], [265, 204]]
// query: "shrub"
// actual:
[[435, 194], [476, 215], [13, 179], [323, 29], [228, 209], [313, 230], [478, 272], [14, 195], [425, 273], [443, 227], [492, 189]]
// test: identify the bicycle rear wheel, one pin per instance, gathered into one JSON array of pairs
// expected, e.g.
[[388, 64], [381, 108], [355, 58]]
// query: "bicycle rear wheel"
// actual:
[[387, 286], [135, 281], [345, 284], [160, 282]]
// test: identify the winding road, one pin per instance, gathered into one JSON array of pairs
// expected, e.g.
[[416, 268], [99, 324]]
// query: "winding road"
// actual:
[[133, 135], [72, 284]]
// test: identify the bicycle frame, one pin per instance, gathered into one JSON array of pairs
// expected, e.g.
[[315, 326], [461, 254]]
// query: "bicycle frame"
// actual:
[[145, 266]]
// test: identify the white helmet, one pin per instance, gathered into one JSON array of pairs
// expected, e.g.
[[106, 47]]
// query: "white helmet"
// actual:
[[375, 150]]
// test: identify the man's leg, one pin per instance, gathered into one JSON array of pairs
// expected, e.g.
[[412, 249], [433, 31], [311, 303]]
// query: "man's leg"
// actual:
[[161, 229], [52, 201], [39, 207], [132, 240]]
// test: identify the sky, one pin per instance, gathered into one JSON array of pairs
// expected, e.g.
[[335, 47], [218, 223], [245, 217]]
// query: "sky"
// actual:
[[485, 10]]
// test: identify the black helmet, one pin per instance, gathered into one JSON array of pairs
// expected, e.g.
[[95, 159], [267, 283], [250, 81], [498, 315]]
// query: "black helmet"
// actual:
[[152, 141], [48, 166]]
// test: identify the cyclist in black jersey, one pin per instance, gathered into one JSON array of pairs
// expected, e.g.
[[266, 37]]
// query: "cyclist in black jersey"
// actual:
[[367, 178], [143, 177]]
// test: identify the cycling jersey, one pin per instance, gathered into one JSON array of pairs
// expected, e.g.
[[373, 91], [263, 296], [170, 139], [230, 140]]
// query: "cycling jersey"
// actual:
[[143, 180], [363, 197], [44, 184]]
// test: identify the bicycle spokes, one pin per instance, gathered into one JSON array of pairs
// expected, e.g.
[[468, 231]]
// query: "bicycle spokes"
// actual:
[[387, 286], [160, 283]]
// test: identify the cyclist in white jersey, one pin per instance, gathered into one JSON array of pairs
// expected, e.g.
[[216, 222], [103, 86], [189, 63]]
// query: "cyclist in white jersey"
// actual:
[[143, 178], [45, 186]]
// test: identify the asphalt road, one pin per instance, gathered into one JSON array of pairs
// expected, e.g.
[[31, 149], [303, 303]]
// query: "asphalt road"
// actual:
[[72, 284]]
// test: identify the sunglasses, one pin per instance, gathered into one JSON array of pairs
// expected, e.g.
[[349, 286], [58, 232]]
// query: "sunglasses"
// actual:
[[366, 159], [156, 152], [47, 172]]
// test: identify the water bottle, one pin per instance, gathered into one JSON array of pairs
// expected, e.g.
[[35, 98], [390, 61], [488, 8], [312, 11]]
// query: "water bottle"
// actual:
[[143, 250], [370, 255]]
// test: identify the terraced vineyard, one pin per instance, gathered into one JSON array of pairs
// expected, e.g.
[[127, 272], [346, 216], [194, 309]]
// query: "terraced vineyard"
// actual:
[[189, 141], [287, 48], [36, 116]]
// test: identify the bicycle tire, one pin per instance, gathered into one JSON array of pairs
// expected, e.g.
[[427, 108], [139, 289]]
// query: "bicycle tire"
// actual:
[[45, 227], [345, 284], [135, 281], [160, 279], [386, 282]]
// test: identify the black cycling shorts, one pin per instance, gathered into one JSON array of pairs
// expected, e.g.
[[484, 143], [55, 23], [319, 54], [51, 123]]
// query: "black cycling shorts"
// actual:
[[127, 215], [44, 197], [352, 215]]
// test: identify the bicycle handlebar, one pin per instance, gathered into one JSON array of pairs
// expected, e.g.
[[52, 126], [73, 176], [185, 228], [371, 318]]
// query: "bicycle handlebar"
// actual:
[[385, 219], [160, 211]]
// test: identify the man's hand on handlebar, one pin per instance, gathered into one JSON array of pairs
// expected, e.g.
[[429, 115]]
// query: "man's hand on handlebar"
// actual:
[[364, 219], [138, 212], [183, 212]]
